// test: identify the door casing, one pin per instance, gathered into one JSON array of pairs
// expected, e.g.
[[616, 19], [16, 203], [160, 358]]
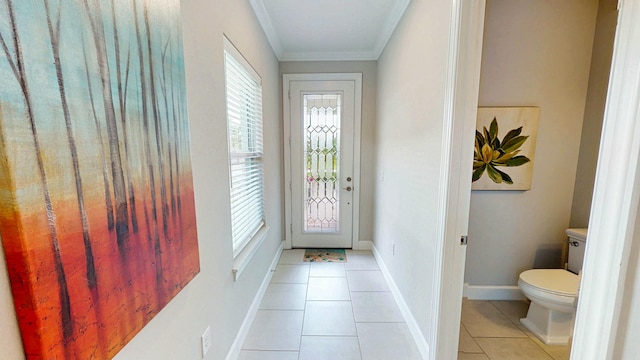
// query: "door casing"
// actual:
[[461, 104], [356, 244]]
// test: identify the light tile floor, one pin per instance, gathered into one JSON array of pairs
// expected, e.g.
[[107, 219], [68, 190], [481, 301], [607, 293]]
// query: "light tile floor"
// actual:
[[318, 311], [491, 330]]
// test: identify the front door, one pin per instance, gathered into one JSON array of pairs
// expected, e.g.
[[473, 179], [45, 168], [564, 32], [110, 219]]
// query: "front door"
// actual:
[[321, 162]]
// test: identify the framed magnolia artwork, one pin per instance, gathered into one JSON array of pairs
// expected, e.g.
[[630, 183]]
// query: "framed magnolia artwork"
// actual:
[[505, 145]]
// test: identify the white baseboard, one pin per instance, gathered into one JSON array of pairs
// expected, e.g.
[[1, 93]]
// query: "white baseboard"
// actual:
[[234, 351], [475, 292], [276, 258], [417, 335]]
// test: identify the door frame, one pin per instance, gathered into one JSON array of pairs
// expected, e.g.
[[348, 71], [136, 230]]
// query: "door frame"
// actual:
[[615, 201], [356, 244], [459, 124], [613, 212]]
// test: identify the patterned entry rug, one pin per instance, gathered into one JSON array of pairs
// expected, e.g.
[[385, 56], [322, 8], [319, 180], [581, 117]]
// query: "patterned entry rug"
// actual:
[[325, 255]]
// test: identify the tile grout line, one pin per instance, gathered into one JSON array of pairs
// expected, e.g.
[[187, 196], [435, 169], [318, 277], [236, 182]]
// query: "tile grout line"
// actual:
[[527, 335], [525, 332], [306, 296], [352, 306], [353, 313], [305, 309], [474, 340]]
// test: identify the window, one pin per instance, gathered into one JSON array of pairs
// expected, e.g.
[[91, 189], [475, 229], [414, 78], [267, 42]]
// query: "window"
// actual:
[[244, 131]]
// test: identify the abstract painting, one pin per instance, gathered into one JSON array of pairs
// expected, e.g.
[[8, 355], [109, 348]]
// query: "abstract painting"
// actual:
[[505, 144], [97, 212]]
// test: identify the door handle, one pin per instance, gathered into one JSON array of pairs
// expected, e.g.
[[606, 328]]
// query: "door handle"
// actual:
[[348, 188]]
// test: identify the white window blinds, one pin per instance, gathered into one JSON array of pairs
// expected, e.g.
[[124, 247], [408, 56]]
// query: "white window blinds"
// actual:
[[244, 126]]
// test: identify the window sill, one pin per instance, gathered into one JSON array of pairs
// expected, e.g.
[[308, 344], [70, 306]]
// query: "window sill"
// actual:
[[244, 258]]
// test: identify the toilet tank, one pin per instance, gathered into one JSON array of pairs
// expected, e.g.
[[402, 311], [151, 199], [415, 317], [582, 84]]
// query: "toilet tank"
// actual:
[[577, 243]]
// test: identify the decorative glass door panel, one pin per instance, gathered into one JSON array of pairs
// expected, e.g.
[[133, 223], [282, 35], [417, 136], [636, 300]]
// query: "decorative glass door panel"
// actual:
[[322, 156]]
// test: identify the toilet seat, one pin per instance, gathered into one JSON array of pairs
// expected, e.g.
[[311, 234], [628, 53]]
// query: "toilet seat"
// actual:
[[558, 282]]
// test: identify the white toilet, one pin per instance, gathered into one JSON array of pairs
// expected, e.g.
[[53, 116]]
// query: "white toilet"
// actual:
[[553, 294]]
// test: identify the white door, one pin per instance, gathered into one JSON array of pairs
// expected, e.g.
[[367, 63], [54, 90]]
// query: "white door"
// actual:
[[322, 174], [462, 105]]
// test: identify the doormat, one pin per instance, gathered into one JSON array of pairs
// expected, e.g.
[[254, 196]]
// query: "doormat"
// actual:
[[325, 255]]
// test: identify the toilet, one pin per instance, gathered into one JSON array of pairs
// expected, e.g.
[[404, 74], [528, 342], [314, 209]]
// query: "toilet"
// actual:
[[554, 294]]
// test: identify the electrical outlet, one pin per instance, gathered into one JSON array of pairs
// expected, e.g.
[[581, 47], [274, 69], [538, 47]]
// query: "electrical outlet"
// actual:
[[206, 341], [393, 248]]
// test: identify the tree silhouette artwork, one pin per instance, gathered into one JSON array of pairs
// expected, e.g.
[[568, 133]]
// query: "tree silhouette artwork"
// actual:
[[97, 214]]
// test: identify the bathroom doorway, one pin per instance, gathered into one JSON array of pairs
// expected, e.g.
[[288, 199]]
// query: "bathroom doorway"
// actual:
[[530, 60]]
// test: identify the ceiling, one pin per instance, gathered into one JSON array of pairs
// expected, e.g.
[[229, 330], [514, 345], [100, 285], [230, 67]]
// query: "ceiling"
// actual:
[[305, 30]]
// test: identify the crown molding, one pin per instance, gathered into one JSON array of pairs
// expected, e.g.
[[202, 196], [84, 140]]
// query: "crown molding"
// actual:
[[329, 56], [390, 26], [386, 31], [265, 21]]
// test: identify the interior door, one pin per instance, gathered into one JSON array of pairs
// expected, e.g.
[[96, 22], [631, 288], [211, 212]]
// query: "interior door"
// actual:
[[322, 176], [460, 125]]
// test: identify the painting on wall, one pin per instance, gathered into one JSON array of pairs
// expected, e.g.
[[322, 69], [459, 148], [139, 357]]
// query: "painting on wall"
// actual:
[[97, 214], [505, 145]]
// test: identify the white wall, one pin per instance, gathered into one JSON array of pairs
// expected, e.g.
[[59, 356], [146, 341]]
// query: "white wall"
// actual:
[[535, 53], [212, 298], [411, 84], [367, 174], [594, 112]]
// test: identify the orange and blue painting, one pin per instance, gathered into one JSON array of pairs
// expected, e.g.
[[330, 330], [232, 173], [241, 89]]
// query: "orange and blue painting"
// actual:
[[97, 213]]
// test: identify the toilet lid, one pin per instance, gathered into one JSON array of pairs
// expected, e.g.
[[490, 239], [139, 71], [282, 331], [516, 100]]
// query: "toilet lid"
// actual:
[[557, 281]]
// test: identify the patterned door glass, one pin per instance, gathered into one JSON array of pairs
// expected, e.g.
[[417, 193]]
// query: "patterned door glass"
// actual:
[[322, 157]]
